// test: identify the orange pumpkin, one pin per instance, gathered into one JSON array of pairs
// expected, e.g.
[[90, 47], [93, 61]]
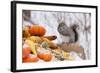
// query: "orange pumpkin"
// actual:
[[25, 52], [45, 57], [37, 30], [31, 59], [41, 55]]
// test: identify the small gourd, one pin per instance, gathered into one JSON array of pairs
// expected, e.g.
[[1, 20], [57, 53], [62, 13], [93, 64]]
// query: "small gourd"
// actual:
[[37, 30]]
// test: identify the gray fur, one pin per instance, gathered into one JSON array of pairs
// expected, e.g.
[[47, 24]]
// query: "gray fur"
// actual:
[[64, 30]]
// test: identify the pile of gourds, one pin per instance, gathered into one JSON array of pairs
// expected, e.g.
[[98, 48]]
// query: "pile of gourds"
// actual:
[[39, 48]]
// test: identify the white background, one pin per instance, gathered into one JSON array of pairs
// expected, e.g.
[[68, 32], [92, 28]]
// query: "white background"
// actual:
[[20, 65], [5, 36]]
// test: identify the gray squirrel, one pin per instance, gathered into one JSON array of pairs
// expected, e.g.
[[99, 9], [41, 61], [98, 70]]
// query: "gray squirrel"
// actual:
[[68, 34]]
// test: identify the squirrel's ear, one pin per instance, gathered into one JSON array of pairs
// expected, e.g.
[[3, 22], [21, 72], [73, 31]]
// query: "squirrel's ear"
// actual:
[[62, 24]]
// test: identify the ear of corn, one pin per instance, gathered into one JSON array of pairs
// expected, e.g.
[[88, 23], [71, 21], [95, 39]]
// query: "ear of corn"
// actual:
[[32, 46], [65, 54]]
